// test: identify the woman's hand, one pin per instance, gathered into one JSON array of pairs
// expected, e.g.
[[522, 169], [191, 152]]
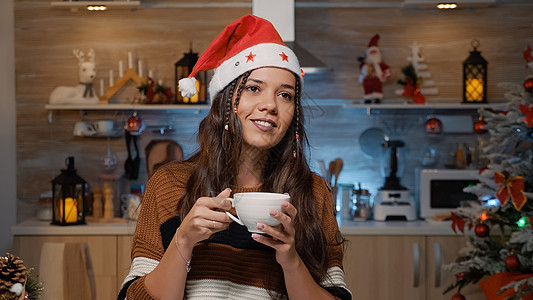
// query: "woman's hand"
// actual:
[[282, 236], [206, 217]]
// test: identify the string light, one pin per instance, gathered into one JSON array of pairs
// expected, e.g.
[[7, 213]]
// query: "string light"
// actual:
[[521, 222]]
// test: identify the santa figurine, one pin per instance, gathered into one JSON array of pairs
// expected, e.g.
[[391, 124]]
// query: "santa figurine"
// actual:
[[373, 72]]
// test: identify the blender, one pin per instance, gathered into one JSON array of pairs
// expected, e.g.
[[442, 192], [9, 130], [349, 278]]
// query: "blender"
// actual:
[[392, 201]]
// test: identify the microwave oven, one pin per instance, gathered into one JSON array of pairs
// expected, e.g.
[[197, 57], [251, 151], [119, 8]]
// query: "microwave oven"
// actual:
[[441, 190]]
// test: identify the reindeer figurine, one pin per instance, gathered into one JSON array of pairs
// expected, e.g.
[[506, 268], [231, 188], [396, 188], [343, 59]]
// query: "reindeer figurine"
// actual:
[[84, 92]]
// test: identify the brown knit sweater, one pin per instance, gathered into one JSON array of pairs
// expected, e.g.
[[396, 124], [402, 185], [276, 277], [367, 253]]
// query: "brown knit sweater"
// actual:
[[231, 265]]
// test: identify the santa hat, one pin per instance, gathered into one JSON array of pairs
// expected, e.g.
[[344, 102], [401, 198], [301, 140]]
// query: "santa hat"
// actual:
[[246, 44], [373, 41]]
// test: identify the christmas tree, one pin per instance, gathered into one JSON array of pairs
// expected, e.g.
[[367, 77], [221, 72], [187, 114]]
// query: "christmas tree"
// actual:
[[501, 262]]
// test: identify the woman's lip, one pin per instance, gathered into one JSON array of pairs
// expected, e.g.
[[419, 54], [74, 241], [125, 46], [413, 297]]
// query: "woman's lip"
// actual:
[[263, 127]]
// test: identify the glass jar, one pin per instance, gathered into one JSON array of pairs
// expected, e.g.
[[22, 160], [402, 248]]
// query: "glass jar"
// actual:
[[44, 210]]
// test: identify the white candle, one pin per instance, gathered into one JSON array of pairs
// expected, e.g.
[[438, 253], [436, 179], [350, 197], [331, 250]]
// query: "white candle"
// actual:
[[160, 82], [140, 67], [101, 87], [150, 74], [111, 83], [130, 60], [120, 69]]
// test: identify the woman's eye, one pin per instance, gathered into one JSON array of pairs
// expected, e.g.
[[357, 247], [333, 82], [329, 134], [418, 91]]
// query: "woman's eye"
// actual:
[[287, 96], [252, 88]]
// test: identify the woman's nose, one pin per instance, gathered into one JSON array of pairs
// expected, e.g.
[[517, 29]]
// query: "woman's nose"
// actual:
[[269, 103]]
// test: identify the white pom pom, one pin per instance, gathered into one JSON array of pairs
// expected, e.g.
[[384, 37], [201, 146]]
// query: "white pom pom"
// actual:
[[17, 288], [187, 87]]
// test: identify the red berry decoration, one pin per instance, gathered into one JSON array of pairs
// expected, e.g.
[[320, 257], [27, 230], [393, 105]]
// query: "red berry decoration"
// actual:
[[433, 126], [528, 85], [482, 230], [458, 296], [478, 126], [512, 263]]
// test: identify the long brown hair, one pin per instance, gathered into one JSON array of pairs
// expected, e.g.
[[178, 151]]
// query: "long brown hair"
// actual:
[[285, 171]]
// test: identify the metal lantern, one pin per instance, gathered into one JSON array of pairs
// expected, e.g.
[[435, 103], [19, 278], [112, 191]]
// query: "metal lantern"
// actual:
[[182, 69], [68, 197], [475, 77]]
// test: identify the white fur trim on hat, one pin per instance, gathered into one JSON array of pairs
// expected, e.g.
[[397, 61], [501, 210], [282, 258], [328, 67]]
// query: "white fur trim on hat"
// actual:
[[187, 86], [257, 56]]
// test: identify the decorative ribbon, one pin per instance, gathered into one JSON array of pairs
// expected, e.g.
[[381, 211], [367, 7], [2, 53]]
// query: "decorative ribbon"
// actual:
[[510, 187], [88, 93]]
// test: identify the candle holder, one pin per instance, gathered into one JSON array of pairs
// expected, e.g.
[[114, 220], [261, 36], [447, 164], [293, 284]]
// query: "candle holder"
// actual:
[[68, 200], [475, 77]]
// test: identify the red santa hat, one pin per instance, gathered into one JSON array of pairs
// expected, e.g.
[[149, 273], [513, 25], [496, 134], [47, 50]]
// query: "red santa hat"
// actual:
[[246, 44]]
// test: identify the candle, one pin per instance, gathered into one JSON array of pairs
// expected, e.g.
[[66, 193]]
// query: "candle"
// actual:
[[101, 87], [120, 69], [111, 83], [130, 60], [150, 74], [71, 215], [160, 82], [474, 90], [140, 67]]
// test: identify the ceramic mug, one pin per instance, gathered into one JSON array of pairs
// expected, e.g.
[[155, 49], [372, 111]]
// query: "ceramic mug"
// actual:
[[253, 208], [83, 129], [130, 206], [104, 127]]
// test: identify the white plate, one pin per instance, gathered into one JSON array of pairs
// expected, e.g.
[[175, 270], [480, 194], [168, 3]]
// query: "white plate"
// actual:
[[371, 142]]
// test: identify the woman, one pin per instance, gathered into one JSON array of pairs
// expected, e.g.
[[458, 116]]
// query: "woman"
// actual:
[[185, 246]]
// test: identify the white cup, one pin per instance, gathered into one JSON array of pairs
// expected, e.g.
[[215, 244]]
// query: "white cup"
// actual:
[[83, 129], [104, 127], [253, 208]]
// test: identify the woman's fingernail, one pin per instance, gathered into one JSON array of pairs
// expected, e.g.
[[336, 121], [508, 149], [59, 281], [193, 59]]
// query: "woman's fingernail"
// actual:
[[260, 226], [285, 204], [228, 189], [273, 212], [255, 236]]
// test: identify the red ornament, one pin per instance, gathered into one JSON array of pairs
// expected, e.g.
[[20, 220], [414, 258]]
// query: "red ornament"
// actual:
[[478, 126], [460, 275], [135, 125], [433, 126], [458, 296], [512, 263], [528, 114], [528, 85], [482, 230]]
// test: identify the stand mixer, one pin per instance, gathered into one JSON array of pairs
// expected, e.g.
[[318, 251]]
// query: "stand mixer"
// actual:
[[392, 201]]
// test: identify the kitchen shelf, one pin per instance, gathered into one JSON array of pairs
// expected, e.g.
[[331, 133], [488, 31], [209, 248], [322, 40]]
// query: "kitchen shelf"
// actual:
[[191, 108]]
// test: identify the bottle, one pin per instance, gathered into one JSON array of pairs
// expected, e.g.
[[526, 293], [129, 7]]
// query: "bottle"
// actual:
[[460, 156]]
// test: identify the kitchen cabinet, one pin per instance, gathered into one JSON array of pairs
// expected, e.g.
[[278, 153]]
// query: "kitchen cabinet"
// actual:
[[102, 251], [402, 267]]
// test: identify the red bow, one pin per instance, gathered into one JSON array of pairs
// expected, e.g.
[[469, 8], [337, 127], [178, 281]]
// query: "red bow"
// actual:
[[510, 187], [528, 112]]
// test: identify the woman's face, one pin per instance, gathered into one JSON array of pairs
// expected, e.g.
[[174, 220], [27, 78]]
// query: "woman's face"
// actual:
[[266, 107]]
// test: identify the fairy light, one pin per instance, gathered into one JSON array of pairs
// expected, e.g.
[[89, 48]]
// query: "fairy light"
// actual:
[[521, 222], [484, 216]]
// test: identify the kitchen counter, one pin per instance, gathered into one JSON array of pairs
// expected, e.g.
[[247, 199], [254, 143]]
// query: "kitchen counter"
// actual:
[[36, 227]]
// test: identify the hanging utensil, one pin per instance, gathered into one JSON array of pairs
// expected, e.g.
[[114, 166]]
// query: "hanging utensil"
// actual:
[[338, 168]]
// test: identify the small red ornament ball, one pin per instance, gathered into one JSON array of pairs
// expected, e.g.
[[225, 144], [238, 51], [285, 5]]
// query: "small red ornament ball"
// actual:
[[458, 296], [512, 263], [482, 230], [528, 85], [478, 127], [433, 126]]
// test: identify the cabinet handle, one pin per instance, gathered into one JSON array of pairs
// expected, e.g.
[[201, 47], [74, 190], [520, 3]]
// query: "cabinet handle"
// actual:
[[416, 264], [437, 264]]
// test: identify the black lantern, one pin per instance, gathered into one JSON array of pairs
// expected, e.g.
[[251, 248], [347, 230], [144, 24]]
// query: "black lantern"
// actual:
[[68, 197], [475, 77], [182, 69]]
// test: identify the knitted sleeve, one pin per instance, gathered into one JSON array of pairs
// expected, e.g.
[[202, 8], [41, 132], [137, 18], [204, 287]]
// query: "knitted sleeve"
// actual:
[[334, 282]]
